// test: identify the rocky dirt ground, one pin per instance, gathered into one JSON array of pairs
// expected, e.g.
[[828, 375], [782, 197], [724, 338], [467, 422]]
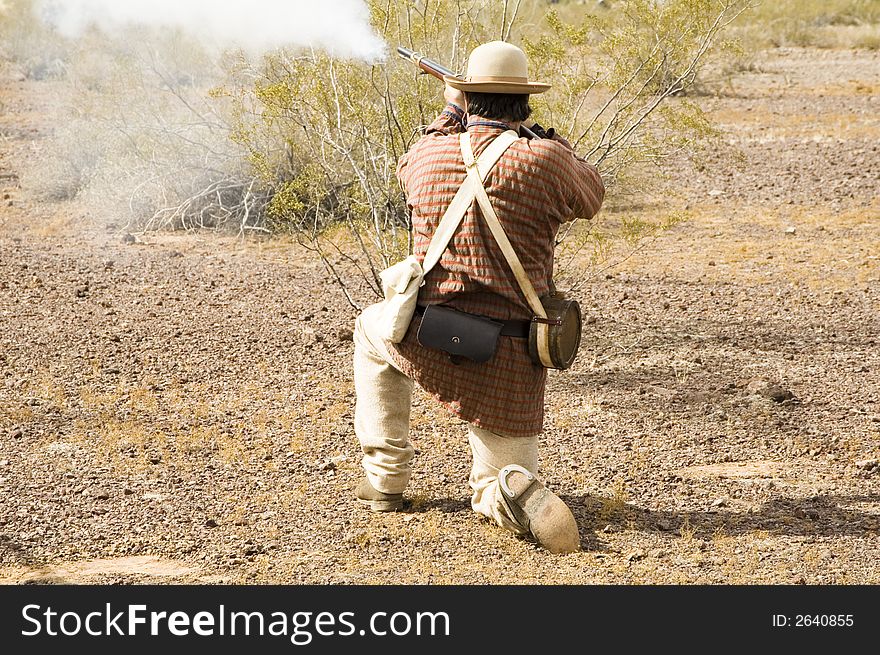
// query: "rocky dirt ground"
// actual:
[[178, 407]]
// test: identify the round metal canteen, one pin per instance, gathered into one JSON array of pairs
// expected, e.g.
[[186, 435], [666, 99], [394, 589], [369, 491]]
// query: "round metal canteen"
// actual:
[[554, 343]]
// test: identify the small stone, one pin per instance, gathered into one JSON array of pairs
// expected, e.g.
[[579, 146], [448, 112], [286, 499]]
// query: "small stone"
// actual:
[[769, 390], [711, 262], [339, 459], [101, 494], [791, 230], [127, 491], [635, 555], [16, 433], [757, 385], [128, 239], [608, 529], [719, 502], [344, 334], [327, 465], [777, 394], [4, 462], [714, 193], [81, 292], [866, 464], [210, 523]]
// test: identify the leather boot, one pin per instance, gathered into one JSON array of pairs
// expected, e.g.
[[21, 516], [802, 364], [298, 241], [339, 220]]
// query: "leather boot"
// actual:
[[376, 500], [537, 508]]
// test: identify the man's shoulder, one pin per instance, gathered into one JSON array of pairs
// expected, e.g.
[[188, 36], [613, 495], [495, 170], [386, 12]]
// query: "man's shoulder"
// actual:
[[536, 152], [436, 141], [543, 148], [539, 155]]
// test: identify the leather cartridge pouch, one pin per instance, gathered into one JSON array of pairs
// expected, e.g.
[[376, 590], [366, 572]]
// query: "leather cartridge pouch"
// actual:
[[458, 333], [554, 340]]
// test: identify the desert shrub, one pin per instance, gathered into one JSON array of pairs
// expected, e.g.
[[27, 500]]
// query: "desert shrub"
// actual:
[[29, 43], [156, 133], [811, 23], [868, 41], [325, 135], [140, 141], [817, 12]]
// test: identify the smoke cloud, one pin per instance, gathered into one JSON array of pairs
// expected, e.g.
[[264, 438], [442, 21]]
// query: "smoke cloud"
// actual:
[[340, 27]]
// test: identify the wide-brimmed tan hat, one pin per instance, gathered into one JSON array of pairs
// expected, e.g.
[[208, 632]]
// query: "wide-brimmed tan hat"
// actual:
[[497, 67]]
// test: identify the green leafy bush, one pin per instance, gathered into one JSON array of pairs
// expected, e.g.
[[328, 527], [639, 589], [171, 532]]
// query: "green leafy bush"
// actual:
[[325, 134], [158, 132]]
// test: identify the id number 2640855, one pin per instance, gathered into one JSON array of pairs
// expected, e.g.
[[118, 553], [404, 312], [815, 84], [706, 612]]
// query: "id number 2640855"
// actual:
[[813, 621]]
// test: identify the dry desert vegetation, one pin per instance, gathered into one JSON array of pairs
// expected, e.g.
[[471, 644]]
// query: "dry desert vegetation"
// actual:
[[177, 407]]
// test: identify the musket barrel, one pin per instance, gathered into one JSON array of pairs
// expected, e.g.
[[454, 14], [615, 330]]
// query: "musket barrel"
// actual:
[[428, 65]]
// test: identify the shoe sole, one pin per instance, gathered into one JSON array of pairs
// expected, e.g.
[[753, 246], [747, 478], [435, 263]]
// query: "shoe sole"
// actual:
[[549, 519], [551, 522], [382, 505]]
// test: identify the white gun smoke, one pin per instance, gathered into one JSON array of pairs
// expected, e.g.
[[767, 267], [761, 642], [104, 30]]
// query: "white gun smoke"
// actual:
[[139, 137], [340, 27]]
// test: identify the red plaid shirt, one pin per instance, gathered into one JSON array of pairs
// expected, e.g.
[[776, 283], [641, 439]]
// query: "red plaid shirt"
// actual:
[[535, 186]]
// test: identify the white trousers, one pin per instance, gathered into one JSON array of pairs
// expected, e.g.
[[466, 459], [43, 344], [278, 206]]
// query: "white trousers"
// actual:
[[381, 423]]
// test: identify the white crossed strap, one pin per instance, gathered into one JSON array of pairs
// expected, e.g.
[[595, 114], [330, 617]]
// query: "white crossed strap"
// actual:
[[477, 171], [476, 175], [464, 197]]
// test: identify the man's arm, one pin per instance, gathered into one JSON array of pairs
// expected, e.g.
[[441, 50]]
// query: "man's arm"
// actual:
[[454, 111], [584, 188], [450, 121]]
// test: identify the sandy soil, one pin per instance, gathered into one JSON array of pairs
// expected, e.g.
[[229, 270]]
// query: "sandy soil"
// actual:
[[178, 408]]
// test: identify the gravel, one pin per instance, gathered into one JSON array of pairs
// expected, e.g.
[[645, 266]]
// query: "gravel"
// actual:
[[182, 410]]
